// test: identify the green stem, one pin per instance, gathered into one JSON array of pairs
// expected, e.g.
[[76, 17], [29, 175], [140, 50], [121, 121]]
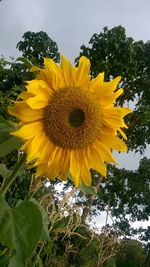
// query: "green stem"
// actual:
[[13, 175]]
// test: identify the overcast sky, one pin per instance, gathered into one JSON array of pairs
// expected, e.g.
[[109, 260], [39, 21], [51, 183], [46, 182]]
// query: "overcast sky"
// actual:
[[71, 23]]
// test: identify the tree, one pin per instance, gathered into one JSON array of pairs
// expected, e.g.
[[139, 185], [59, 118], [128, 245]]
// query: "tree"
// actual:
[[125, 196], [36, 46]]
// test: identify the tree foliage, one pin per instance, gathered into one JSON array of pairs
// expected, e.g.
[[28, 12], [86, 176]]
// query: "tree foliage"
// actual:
[[36, 46], [130, 254]]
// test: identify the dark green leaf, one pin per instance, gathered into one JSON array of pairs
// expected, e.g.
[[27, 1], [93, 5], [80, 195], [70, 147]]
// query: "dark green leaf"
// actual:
[[4, 172], [40, 263], [8, 142], [20, 228], [27, 62], [45, 221], [6, 225], [9, 145], [4, 261], [88, 190]]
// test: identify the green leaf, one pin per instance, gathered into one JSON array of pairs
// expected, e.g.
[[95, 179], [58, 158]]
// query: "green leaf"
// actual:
[[9, 145], [40, 263], [88, 190], [4, 172], [20, 228], [6, 229], [7, 125], [27, 62], [45, 221], [8, 142], [4, 261]]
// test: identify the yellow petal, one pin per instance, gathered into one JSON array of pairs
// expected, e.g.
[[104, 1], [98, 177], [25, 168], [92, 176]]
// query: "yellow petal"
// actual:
[[106, 88], [95, 161], [35, 68], [114, 122], [96, 83], [67, 71], [46, 151], [111, 85], [29, 130], [37, 87], [85, 172], [41, 170], [74, 167], [113, 117], [54, 153], [36, 145], [23, 112], [82, 73], [123, 134], [37, 102], [113, 142], [55, 165], [65, 166], [104, 152], [118, 93], [50, 65], [109, 100], [53, 74], [25, 95]]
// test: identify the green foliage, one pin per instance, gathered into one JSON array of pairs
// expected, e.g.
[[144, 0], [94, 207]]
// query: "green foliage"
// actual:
[[26, 62], [36, 46], [88, 190], [45, 221], [13, 75], [127, 195], [8, 142], [130, 254], [4, 172], [20, 229], [147, 260], [19, 190]]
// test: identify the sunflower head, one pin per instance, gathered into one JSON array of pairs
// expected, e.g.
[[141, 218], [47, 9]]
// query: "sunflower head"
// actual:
[[68, 121]]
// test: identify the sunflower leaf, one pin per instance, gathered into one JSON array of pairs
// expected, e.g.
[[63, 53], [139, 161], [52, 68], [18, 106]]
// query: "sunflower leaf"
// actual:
[[27, 62], [45, 221], [88, 190], [4, 172], [4, 260], [8, 142], [40, 263], [8, 145], [20, 229]]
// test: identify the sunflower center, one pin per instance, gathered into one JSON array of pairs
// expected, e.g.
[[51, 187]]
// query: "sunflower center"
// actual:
[[73, 118], [76, 118]]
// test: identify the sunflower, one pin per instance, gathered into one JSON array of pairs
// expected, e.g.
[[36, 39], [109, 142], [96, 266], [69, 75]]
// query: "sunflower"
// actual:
[[68, 121]]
